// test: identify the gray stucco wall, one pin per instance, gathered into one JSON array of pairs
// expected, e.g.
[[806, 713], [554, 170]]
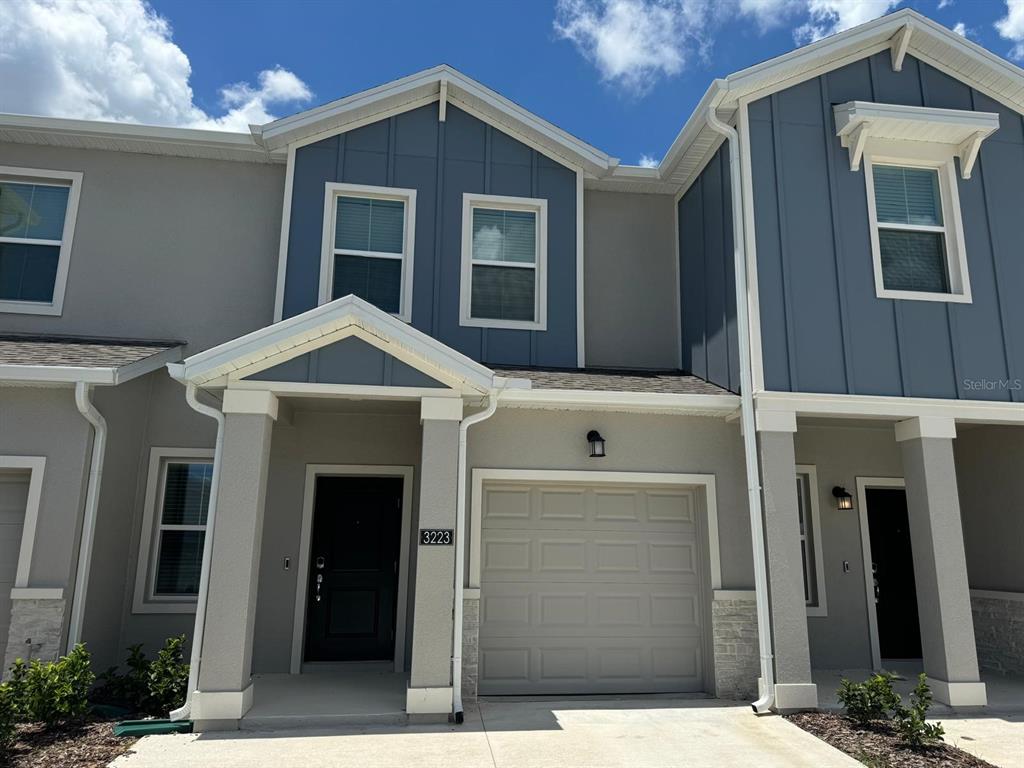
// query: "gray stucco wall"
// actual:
[[164, 247], [707, 277], [630, 281], [441, 161], [823, 328]]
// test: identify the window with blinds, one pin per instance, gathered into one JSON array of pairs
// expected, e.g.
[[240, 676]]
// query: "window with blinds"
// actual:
[[32, 219], [912, 237], [369, 250], [181, 528]]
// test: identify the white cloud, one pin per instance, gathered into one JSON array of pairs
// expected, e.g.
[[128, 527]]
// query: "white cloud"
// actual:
[[634, 42], [101, 60], [826, 17], [945, 4], [1011, 27], [960, 28], [770, 13], [647, 161]]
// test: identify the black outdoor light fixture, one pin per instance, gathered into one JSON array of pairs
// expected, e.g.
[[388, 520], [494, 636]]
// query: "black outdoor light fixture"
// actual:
[[844, 500], [596, 444]]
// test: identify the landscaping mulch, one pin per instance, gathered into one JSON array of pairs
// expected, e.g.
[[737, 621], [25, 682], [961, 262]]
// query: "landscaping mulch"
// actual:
[[88, 744], [879, 746]]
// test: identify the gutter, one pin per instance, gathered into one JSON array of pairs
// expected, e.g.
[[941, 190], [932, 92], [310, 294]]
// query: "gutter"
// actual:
[[195, 659], [764, 704], [92, 499], [460, 551]]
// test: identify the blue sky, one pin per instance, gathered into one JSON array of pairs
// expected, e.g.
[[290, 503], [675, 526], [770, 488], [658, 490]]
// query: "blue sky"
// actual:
[[621, 74]]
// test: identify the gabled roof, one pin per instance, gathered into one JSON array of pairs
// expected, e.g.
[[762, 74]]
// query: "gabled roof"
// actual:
[[430, 85], [329, 323], [70, 359]]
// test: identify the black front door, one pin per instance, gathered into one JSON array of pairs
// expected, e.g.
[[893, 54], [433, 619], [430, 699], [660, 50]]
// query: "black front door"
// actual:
[[353, 573], [899, 634]]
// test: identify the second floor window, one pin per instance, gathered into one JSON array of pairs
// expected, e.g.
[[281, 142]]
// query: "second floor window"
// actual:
[[368, 246]]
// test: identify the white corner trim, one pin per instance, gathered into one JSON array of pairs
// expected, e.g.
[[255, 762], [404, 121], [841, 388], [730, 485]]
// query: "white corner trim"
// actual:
[[581, 328], [286, 223], [221, 705], [750, 247], [537, 206], [143, 600], [35, 465], [313, 471], [972, 694], [775, 421], [813, 492], [258, 402], [441, 409], [428, 701], [442, 101], [925, 426], [72, 179], [37, 593], [480, 476]]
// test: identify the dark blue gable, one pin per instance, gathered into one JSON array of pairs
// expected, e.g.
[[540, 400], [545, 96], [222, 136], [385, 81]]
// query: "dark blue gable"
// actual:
[[441, 161], [823, 329]]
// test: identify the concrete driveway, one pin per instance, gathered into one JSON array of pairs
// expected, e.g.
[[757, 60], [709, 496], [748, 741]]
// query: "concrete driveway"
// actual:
[[649, 733]]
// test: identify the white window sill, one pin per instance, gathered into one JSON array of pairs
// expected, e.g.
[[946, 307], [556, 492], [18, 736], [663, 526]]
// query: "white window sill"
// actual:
[[161, 607], [512, 325], [946, 298], [30, 308]]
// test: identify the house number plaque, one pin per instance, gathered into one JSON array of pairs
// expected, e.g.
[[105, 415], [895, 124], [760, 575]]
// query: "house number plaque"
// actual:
[[443, 537]]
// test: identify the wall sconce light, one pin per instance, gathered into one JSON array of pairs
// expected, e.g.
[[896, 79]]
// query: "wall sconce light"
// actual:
[[596, 444], [844, 500]]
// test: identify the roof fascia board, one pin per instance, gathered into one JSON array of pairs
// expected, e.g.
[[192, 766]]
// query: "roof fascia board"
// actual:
[[99, 375], [633, 402], [147, 365]]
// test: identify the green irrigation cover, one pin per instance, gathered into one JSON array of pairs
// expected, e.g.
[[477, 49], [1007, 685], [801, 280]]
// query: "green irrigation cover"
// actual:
[[149, 727]]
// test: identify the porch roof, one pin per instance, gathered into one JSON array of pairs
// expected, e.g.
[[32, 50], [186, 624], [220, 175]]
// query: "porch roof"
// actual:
[[611, 380], [70, 359]]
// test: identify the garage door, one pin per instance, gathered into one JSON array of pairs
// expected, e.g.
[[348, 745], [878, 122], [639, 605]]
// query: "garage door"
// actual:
[[13, 498], [590, 589]]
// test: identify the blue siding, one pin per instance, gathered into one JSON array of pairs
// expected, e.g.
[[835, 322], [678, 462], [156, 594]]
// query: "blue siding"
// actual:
[[441, 161], [706, 271], [822, 327]]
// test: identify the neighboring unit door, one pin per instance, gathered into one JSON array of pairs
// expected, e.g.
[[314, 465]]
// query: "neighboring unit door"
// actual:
[[591, 588], [13, 500], [892, 561], [353, 575]]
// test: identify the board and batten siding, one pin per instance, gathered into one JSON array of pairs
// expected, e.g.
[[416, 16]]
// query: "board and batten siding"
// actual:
[[823, 329], [441, 161], [706, 277]]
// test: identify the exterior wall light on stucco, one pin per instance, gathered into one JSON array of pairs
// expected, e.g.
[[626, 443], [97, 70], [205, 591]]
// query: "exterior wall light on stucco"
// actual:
[[844, 500], [596, 444]]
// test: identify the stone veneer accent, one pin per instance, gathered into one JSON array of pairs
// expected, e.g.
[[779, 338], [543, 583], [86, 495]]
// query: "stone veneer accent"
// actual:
[[470, 647], [36, 630], [737, 656], [999, 631]]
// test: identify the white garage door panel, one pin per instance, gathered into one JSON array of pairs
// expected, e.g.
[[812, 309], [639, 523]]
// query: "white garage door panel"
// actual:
[[590, 589], [13, 500]]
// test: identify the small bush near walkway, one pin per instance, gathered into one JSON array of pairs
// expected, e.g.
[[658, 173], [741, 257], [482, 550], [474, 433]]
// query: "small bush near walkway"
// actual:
[[148, 687]]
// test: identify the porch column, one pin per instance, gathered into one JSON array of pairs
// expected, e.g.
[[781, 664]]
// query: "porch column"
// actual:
[[430, 684], [793, 686], [940, 565], [225, 679]]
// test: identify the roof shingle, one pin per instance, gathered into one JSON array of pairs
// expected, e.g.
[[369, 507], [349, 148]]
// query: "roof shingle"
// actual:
[[77, 351], [608, 380]]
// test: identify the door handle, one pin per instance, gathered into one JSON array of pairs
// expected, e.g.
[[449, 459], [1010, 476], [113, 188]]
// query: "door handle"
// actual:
[[319, 581]]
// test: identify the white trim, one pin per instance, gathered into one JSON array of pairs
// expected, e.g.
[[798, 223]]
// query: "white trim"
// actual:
[[900, 43], [925, 426], [36, 465], [734, 594], [581, 328], [37, 593], [69, 374], [286, 224], [966, 694], [750, 246], [313, 471], [996, 594], [775, 421], [821, 609], [891, 408], [939, 158], [145, 567], [863, 484], [441, 409], [350, 391], [536, 206], [481, 476], [221, 705], [428, 701], [334, 190], [72, 180], [257, 402], [442, 101], [628, 402]]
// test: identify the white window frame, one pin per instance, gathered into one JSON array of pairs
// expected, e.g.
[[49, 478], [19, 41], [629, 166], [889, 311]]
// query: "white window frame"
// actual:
[[471, 200], [940, 158], [812, 516], [145, 575], [41, 176], [334, 190]]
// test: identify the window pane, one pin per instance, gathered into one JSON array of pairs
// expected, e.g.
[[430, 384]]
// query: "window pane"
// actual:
[[504, 235], [32, 210], [913, 261], [178, 564], [367, 224], [907, 195], [186, 493], [28, 272], [378, 281], [803, 490], [503, 293]]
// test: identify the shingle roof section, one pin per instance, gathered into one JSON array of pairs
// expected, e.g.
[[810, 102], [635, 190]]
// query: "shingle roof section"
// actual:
[[606, 380], [77, 351]]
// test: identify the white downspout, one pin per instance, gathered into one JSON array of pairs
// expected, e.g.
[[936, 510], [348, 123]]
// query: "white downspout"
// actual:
[[92, 502], [763, 704], [185, 709], [460, 551]]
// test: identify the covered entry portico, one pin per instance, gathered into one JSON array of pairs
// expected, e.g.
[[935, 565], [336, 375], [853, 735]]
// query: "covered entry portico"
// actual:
[[340, 432]]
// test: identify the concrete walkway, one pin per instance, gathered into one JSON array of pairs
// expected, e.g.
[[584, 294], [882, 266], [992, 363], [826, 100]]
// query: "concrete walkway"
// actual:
[[997, 738], [649, 733]]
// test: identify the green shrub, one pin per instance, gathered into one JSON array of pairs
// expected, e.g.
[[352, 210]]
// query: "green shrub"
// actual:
[[52, 691], [8, 716], [868, 701], [168, 677], [130, 689], [910, 721]]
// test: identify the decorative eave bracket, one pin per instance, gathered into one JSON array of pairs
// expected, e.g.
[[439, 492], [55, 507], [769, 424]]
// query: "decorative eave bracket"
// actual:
[[899, 44]]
